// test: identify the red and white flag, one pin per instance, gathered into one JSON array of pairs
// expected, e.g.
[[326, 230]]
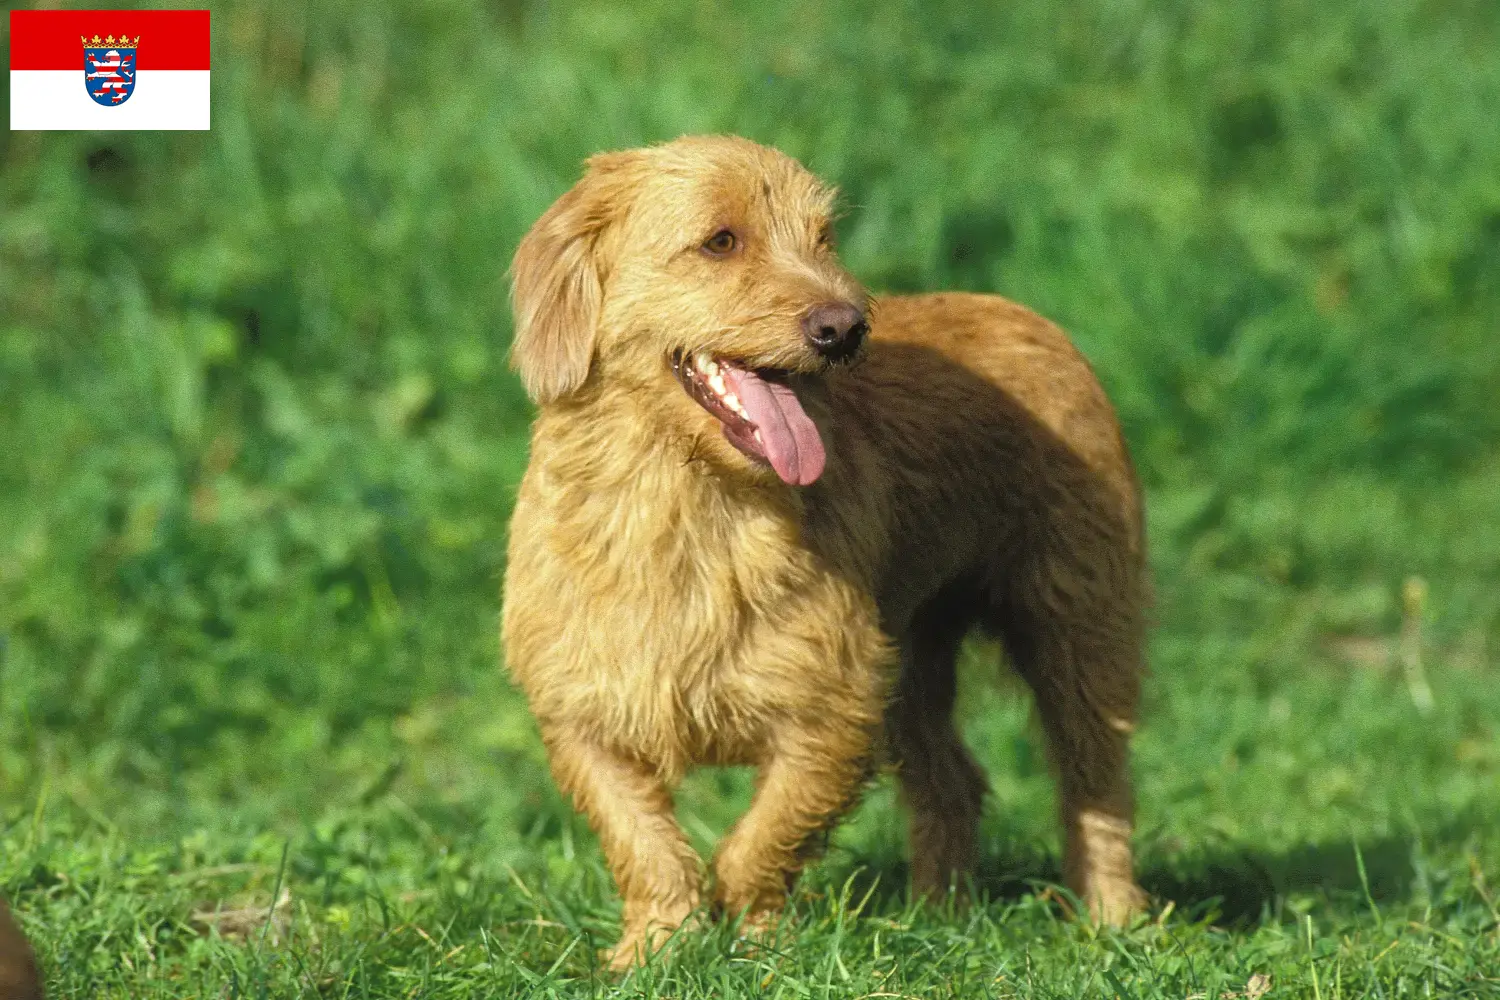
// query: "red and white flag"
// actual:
[[109, 69]]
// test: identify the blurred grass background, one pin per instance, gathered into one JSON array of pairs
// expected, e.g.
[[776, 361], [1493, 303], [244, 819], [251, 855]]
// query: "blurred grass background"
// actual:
[[258, 441]]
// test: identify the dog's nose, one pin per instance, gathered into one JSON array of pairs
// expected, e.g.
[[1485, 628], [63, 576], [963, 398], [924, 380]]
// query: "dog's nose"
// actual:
[[834, 329]]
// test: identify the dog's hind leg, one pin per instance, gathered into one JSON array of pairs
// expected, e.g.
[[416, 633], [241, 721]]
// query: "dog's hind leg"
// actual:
[[1082, 659], [630, 809], [942, 786]]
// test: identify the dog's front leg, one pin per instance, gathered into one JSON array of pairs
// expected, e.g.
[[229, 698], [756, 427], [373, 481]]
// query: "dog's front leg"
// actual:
[[808, 782], [630, 809]]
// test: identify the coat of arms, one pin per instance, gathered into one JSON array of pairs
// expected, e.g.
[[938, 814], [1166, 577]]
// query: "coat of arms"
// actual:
[[109, 68]]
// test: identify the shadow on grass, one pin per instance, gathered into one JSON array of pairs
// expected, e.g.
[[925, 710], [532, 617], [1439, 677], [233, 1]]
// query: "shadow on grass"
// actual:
[[1229, 885]]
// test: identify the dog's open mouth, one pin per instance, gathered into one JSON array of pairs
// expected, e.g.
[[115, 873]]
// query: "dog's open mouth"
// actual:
[[761, 415]]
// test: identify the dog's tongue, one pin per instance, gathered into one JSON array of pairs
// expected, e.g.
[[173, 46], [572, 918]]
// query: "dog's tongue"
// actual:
[[788, 438]]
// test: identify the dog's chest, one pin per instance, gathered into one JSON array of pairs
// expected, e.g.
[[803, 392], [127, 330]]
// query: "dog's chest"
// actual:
[[658, 619]]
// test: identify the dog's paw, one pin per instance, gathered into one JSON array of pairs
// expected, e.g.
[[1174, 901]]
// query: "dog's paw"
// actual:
[[635, 949], [630, 952], [1115, 902], [755, 932], [638, 944]]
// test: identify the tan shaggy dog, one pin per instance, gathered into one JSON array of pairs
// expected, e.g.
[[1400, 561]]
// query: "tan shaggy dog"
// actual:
[[761, 513]]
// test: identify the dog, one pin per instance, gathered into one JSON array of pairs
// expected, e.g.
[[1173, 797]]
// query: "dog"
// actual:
[[19, 978], [762, 510]]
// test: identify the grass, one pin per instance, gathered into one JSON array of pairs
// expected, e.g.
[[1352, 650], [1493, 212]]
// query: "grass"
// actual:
[[1324, 837], [257, 443]]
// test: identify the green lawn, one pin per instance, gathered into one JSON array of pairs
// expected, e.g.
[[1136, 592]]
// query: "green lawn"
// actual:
[[258, 445]]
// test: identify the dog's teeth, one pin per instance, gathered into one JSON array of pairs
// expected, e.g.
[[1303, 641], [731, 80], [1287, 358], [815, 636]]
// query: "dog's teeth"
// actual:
[[758, 439], [716, 382]]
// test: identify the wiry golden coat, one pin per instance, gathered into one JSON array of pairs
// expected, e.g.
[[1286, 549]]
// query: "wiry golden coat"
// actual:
[[672, 602]]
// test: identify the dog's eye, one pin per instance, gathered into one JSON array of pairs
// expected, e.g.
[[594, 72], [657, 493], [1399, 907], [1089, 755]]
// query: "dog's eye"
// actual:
[[721, 243]]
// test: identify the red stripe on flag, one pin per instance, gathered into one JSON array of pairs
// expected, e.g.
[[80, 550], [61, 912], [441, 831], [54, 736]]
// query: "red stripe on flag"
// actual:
[[49, 39]]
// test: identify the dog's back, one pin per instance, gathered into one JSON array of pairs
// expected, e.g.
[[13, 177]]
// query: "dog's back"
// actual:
[[979, 386]]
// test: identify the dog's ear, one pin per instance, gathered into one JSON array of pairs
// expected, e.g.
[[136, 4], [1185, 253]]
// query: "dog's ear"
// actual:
[[557, 282]]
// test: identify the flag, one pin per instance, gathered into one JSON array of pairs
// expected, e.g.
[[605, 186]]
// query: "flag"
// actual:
[[109, 69]]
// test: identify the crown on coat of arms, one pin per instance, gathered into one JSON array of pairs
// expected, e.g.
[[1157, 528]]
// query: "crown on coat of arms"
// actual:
[[110, 41]]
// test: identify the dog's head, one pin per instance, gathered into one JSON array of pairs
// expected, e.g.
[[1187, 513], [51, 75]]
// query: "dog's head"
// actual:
[[709, 259]]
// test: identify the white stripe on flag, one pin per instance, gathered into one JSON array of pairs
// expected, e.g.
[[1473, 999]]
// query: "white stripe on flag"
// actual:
[[56, 99]]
